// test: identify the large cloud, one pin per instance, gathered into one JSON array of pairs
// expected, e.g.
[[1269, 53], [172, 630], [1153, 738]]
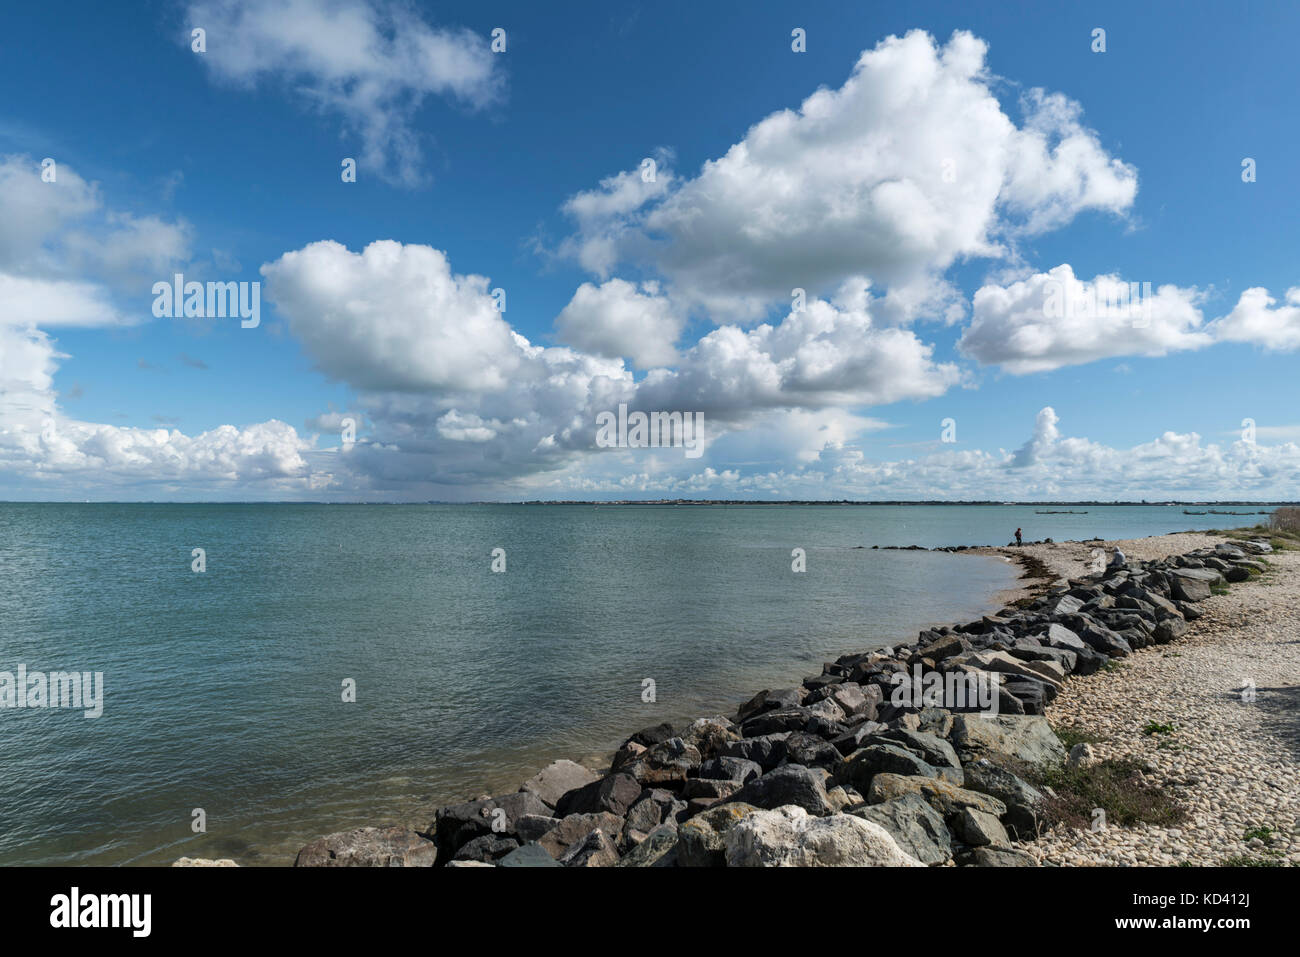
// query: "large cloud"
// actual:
[[1256, 320], [373, 63], [617, 319], [453, 394], [62, 252], [1052, 319], [907, 167]]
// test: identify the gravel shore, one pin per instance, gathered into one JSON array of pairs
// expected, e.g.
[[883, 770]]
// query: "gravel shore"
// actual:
[[1234, 764]]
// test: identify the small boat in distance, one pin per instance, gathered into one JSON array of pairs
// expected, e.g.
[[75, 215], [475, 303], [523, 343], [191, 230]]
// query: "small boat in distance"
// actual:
[[1185, 512], [1067, 512]]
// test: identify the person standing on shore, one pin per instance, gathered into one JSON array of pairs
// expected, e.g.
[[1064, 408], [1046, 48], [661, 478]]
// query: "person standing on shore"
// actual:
[[1019, 540], [1117, 560]]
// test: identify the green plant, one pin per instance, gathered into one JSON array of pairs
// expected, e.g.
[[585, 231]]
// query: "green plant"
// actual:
[[1115, 786], [1155, 727]]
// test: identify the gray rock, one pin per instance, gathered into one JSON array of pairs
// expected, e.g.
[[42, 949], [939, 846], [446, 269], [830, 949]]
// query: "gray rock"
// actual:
[[944, 797], [861, 766], [933, 749], [1168, 630], [557, 779], [529, 855], [727, 768], [702, 839], [573, 831], [531, 827], [659, 849], [978, 828], [1027, 738], [369, 847], [1024, 801], [1193, 584], [915, 826], [789, 837], [995, 857]]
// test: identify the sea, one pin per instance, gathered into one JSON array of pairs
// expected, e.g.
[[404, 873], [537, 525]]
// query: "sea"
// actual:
[[274, 672]]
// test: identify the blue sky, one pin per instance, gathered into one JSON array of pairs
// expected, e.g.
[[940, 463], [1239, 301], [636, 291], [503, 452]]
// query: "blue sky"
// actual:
[[219, 163]]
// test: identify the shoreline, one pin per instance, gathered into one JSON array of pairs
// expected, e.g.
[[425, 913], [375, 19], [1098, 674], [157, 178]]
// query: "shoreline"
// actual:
[[666, 790]]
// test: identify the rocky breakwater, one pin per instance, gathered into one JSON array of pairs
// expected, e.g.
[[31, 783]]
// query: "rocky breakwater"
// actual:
[[841, 770]]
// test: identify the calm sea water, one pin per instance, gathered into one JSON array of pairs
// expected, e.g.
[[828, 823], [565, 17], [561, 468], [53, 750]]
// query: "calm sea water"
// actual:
[[223, 690]]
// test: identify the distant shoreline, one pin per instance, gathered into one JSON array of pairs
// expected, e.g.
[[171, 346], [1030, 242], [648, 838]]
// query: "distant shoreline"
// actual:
[[687, 501]]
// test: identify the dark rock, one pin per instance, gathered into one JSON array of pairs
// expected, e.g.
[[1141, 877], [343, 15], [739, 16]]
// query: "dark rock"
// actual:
[[771, 701], [595, 850], [653, 735], [458, 824], [811, 751], [615, 793], [767, 751], [727, 768], [776, 722], [788, 784], [489, 848]]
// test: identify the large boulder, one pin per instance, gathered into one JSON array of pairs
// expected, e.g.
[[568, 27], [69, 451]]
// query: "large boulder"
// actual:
[[1024, 801], [1027, 738], [369, 847], [771, 701], [727, 768], [573, 830], [702, 839], [1193, 584], [665, 764], [915, 826], [932, 748], [777, 722], [615, 793], [790, 837], [767, 750], [1169, 629], [945, 798], [979, 828], [861, 766], [557, 779], [788, 784]]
